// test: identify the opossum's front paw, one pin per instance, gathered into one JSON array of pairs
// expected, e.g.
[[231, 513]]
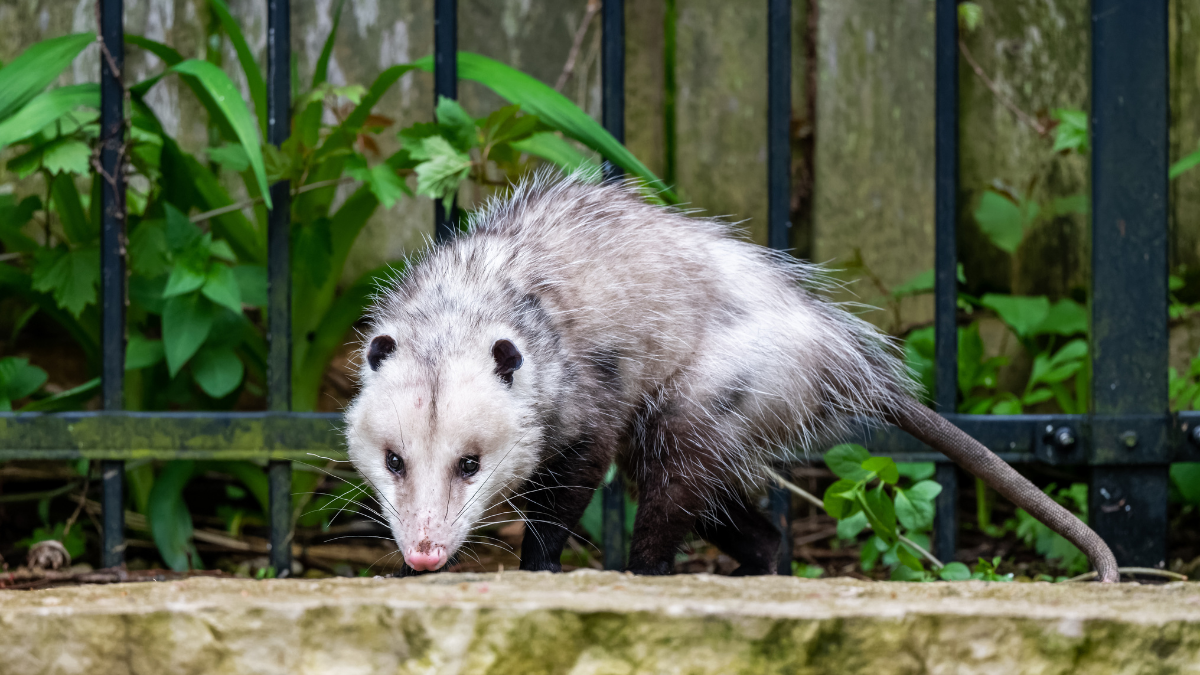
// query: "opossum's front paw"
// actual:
[[750, 570], [541, 566], [659, 569]]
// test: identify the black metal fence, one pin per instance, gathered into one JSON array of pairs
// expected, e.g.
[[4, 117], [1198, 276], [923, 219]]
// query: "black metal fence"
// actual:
[[1127, 441]]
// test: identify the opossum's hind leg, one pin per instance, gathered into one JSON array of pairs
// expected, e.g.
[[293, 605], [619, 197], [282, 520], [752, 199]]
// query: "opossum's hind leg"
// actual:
[[556, 497], [744, 534]]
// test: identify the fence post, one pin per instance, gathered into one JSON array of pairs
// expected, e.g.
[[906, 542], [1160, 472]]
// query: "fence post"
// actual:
[[445, 83], [112, 265], [612, 75], [1129, 339], [945, 300], [279, 308], [779, 175]]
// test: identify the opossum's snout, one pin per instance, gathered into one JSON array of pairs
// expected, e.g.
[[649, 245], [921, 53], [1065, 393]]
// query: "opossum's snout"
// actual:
[[425, 556]]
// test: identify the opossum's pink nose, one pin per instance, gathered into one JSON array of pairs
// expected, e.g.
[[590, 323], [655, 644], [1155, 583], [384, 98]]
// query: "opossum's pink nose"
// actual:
[[425, 557]]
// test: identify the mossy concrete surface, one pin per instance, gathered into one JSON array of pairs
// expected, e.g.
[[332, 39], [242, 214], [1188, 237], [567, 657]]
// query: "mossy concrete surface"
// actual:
[[594, 622]]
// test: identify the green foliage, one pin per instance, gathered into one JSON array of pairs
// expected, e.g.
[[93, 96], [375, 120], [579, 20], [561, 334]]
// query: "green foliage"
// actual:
[[1071, 132], [18, 379], [1048, 543], [806, 571]]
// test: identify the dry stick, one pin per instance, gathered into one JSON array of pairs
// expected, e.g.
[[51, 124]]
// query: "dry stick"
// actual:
[[810, 497], [987, 82], [1148, 571], [593, 8], [87, 480], [200, 217]]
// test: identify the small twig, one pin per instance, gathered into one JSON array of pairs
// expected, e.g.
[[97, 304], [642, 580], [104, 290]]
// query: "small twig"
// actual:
[[812, 498], [87, 481], [35, 496], [201, 217], [593, 8], [1146, 571], [1004, 100]]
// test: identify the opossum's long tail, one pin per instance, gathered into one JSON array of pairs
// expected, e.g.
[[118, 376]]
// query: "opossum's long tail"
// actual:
[[932, 429]]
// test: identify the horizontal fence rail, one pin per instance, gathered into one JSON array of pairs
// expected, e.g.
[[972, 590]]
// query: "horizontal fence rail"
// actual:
[[1128, 440]]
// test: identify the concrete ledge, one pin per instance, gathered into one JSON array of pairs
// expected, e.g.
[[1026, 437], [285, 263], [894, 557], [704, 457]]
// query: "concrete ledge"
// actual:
[[600, 623]]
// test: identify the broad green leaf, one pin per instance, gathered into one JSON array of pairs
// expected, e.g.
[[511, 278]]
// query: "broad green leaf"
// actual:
[[1001, 220], [141, 352], [387, 186], [837, 500], [43, 110], [254, 77], [186, 322], [869, 554], [252, 284], [554, 149], [955, 571], [913, 514], [1186, 163], [170, 521], [1065, 317], [1007, 404], [71, 399], [230, 157], [924, 491], [443, 168], [221, 250], [180, 232], [1038, 395], [883, 467], [221, 286], [27, 75], [217, 371], [76, 225], [184, 278], [553, 109], [880, 512], [17, 283], [970, 15], [229, 102], [311, 250], [18, 379], [919, 357], [846, 461], [1022, 314], [71, 276], [67, 155], [1075, 349], [970, 358], [1072, 130], [1185, 476], [148, 249], [453, 119], [849, 528], [917, 471], [908, 558]]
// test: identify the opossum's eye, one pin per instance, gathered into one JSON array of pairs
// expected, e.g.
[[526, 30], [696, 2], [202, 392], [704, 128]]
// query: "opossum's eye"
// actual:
[[468, 466], [507, 358], [395, 464], [381, 348]]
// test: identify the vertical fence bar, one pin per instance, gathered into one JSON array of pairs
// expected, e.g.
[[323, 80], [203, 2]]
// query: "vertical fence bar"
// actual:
[[946, 256], [612, 75], [1128, 504], [445, 83], [779, 161], [279, 308], [112, 264]]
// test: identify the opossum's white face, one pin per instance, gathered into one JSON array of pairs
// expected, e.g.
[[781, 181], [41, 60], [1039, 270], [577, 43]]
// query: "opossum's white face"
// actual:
[[443, 446]]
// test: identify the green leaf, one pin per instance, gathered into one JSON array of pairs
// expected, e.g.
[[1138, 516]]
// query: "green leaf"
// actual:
[[252, 284], [838, 502], [148, 249], [217, 371], [221, 286], [908, 558], [71, 399], [230, 157], [1072, 130], [917, 471], [555, 149], [1185, 476], [76, 226], [914, 514], [47, 107], [141, 352], [1038, 395], [1186, 163], [1065, 317], [39, 65], [555, 110], [186, 322], [1001, 220], [67, 155], [883, 467], [924, 491], [71, 276], [1022, 314], [881, 514], [453, 119], [849, 528], [320, 73], [955, 571], [254, 78], [443, 168], [970, 15], [185, 278], [222, 250], [387, 186], [311, 250], [170, 520], [229, 102], [846, 461], [18, 379]]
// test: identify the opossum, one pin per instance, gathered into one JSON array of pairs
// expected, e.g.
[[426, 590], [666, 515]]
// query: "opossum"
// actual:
[[575, 325]]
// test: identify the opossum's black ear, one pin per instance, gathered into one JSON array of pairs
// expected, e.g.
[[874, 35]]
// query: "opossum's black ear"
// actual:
[[507, 358], [381, 348]]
